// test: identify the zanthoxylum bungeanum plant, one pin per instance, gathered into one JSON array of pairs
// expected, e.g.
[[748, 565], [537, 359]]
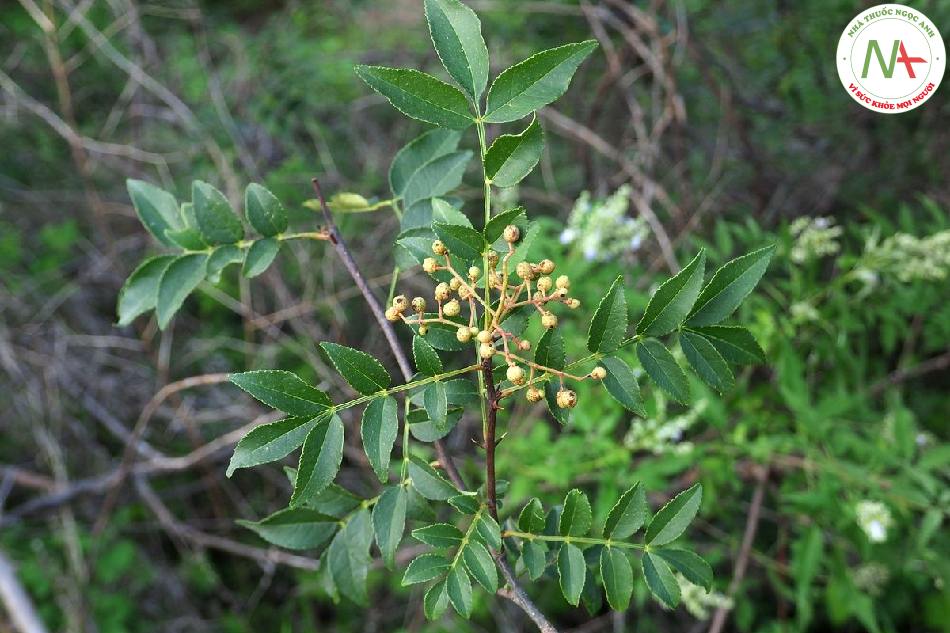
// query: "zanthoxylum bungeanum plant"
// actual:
[[472, 351]]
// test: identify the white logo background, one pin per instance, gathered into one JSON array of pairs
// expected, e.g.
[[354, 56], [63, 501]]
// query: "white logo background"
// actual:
[[887, 24]]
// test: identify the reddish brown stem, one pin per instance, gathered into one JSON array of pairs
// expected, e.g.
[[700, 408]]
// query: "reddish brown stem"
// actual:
[[491, 396]]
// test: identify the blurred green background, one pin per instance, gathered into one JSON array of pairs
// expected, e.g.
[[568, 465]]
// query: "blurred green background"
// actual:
[[725, 120]]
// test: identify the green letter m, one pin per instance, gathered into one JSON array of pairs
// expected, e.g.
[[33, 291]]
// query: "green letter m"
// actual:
[[887, 69]]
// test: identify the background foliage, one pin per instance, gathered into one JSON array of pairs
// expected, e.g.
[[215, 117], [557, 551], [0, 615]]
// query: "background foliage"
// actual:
[[727, 124]]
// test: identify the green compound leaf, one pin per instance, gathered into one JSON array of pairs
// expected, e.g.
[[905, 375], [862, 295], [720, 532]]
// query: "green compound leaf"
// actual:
[[270, 442], [489, 530], [389, 522], [576, 515], [425, 568], [466, 504], [617, 576], [609, 324], [264, 212], [480, 565], [284, 391], [222, 257], [706, 360], [533, 556], [436, 600], [260, 256], [294, 528], [429, 483], [426, 359], [728, 287], [378, 432], [572, 571], [511, 157], [363, 372], [550, 350], [621, 384], [459, 587], [436, 403], [457, 36], [462, 241], [496, 226], [320, 460], [628, 514], [437, 177], [691, 565], [139, 293], [438, 535], [660, 580], [535, 82], [673, 300], [419, 96], [417, 153], [157, 210], [215, 219], [531, 519], [348, 556], [735, 343], [660, 365], [178, 281], [673, 518]]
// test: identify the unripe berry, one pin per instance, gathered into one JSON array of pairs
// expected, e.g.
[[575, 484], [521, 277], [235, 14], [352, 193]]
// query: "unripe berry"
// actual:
[[419, 304], [451, 308], [562, 292], [533, 394], [515, 374], [511, 233], [463, 334], [439, 248], [546, 266], [497, 280], [492, 258], [598, 373], [455, 283], [549, 320], [465, 292], [423, 329], [442, 292], [392, 314], [400, 303], [563, 282], [484, 337], [545, 284], [486, 351], [523, 270], [474, 273], [573, 304], [429, 265], [473, 330], [566, 399], [524, 346], [538, 295]]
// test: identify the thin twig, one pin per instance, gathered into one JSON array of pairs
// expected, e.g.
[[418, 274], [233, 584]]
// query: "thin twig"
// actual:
[[23, 614], [139, 430], [491, 397], [516, 594], [343, 252], [742, 560]]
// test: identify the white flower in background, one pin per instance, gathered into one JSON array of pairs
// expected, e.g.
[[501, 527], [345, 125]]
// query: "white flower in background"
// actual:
[[871, 577], [660, 435], [814, 238], [909, 258], [601, 229], [698, 601], [804, 312], [874, 518]]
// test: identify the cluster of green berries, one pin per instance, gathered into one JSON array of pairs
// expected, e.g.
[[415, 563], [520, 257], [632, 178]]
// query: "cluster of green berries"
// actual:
[[535, 286]]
